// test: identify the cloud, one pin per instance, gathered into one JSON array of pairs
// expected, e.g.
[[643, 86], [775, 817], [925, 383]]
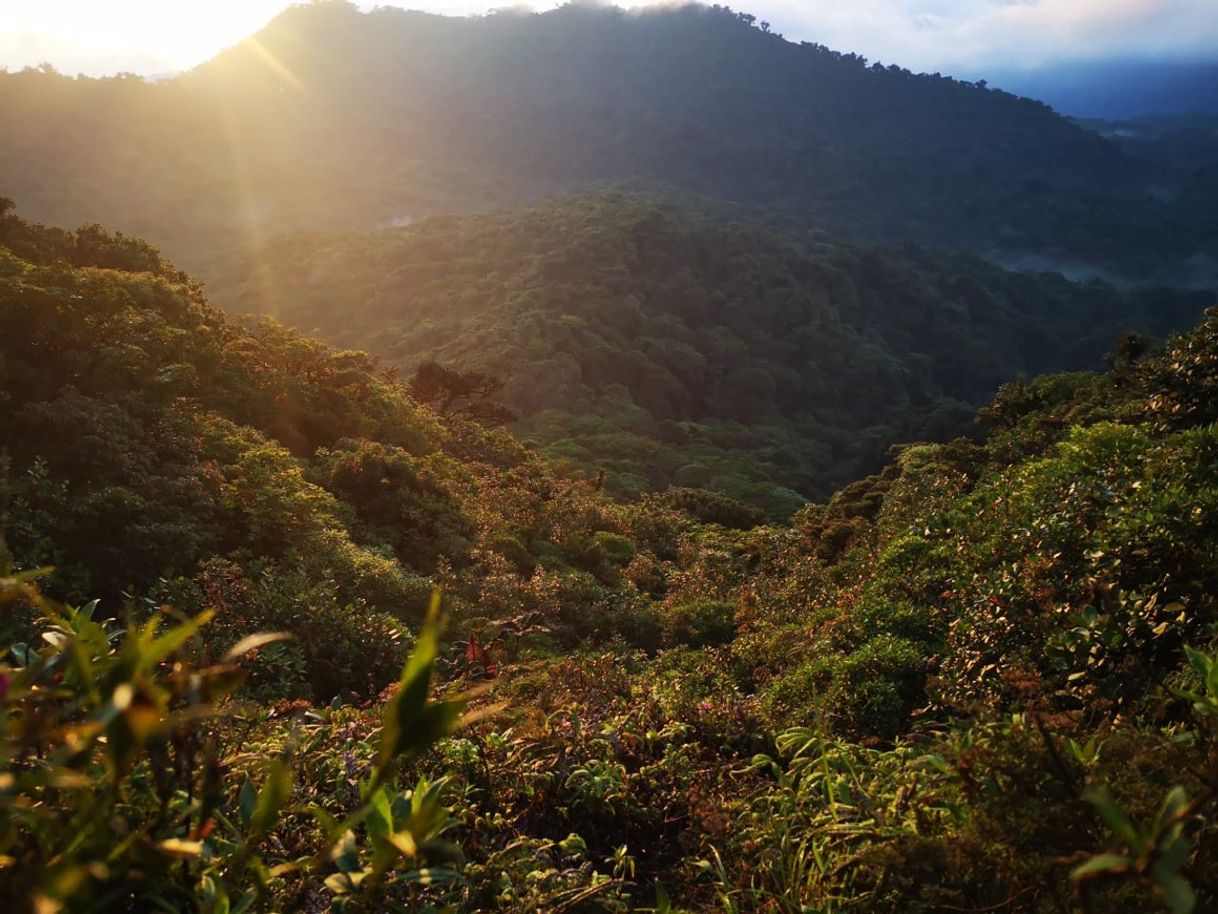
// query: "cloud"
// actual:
[[953, 36], [999, 34]]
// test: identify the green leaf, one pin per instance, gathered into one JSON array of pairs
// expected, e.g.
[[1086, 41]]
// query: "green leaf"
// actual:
[[160, 648], [328, 823], [1200, 662], [412, 723], [344, 883], [1115, 818], [432, 875], [215, 899], [1173, 804], [380, 815], [247, 800], [573, 846], [1176, 891], [274, 793], [178, 847], [345, 853], [663, 902], [1101, 863]]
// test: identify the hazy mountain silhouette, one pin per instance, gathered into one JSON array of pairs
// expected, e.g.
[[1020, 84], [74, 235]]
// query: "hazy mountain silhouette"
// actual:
[[330, 117]]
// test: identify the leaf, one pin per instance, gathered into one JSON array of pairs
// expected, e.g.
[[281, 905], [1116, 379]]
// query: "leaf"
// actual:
[[168, 643], [329, 824], [1101, 863], [1176, 892], [253, 642], [55, 639], [274, 794], [1116, 819], [22, 653], [247, 800], [345, 853], [573, 846], [433, 875], [1199, 661], [344, 883], [176, 847], [412, 723], [380, 816], [215, 899], [1173, 804], [404, 842]]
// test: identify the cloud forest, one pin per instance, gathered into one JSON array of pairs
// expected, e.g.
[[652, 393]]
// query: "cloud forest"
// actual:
[[600, 461]]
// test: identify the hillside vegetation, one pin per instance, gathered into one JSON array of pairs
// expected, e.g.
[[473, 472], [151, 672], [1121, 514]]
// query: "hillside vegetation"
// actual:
[[664, 346], [983, 678], [405, 115], [154, 451]]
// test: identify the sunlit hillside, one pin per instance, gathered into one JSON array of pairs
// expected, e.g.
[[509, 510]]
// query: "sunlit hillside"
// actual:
[[658, 346], [599, 461], [332, 118]]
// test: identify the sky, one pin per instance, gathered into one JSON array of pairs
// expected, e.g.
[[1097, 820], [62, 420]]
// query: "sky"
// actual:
[[154, 37]]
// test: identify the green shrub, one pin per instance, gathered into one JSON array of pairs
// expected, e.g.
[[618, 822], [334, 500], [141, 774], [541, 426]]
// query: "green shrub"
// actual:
[[641, 625], [115, 796], [699, 623], [516, 552], [875, 688], [615, 548]]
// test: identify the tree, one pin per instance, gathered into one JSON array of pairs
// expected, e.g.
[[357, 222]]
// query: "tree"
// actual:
[[454, 393]]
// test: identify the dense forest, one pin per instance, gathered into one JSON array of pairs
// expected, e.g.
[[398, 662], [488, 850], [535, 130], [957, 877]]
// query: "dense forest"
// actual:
[[594, 461], [662, 346], [981, 678], [405, 115]]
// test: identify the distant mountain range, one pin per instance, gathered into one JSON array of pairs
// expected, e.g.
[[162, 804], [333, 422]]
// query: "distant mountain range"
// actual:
[[331, 118]]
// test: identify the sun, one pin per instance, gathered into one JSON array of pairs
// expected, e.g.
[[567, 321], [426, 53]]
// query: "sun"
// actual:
[[144, 35]]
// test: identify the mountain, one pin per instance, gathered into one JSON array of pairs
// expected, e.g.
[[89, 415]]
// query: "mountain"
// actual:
[[985, 677], [334, 118], [663, 345], [680, 510], [1186, 143]]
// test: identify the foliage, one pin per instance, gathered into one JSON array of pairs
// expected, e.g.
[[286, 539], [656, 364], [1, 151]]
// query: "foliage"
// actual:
[[127, 786], [647, 345], [980, 678]]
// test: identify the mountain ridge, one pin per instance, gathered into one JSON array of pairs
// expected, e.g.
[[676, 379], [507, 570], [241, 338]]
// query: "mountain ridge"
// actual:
[[405, 115]]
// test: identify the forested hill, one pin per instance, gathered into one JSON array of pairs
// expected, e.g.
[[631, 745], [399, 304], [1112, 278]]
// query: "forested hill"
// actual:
[[332, 118], [667, 347], [151, 449], [985, 678]]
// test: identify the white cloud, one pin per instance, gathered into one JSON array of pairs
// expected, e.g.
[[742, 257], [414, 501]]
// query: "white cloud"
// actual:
[[99, 36], [999, 34]]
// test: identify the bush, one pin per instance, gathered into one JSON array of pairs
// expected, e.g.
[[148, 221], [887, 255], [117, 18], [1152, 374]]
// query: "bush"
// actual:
[[516, 552], [641, 626], [699, 623], [616, 549], [131, 809]]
